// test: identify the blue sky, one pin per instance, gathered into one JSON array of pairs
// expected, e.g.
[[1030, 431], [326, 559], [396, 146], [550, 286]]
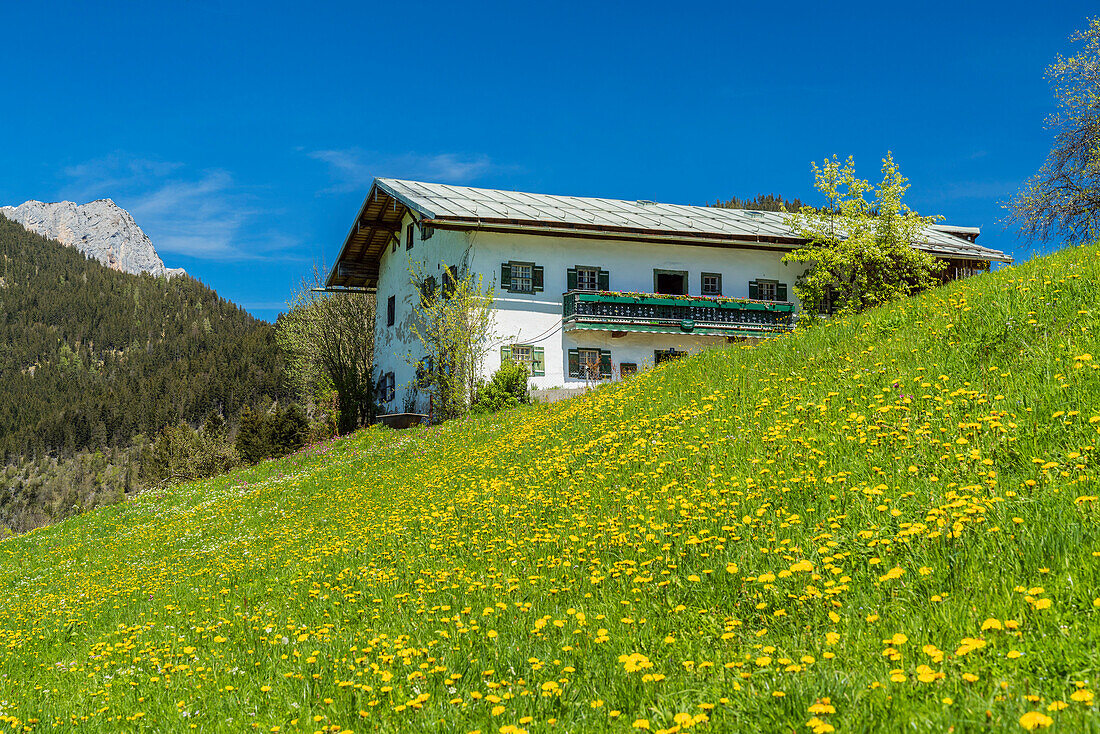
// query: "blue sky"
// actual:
[[244, 136]]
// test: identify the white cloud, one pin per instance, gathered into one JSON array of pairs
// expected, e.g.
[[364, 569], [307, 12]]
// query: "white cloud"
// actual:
[[353, 169], [205, 214]]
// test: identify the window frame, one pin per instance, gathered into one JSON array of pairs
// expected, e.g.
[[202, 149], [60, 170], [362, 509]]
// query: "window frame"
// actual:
[[595, 278], [409, 235], [667, 355], [391, 311], [535, 361], [388, 388], [703, 284], [588, 370], [683, 274], [528, 350], [530, 278]]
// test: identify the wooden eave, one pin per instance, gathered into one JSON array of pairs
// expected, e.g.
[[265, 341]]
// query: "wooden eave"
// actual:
[[377, 224]]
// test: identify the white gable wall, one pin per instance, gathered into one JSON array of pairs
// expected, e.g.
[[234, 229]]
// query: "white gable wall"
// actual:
[[537, 318]]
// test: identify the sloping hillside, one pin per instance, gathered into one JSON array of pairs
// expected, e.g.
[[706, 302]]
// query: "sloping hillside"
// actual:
[[888, 523]]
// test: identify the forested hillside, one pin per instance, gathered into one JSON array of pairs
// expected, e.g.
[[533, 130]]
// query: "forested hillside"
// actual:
[[89, 357], [94, 363]]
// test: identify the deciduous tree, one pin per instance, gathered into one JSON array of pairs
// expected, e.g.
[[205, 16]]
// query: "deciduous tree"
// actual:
[[1063, 198], [328, 339], [860, 251], [453, 321]]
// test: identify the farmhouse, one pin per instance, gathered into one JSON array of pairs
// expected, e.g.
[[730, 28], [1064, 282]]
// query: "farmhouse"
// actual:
[[585, 289]]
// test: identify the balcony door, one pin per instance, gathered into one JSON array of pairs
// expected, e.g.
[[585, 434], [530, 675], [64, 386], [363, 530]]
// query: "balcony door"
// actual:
[[670, 282]]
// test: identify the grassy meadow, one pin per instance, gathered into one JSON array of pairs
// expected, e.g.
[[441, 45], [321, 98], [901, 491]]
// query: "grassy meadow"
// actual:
[[888, 523]]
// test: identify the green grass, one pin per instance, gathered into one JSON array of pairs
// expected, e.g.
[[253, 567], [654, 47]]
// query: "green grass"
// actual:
[[717, 544]]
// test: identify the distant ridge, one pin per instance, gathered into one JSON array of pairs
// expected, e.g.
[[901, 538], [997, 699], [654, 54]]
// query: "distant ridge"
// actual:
[[100, 229]]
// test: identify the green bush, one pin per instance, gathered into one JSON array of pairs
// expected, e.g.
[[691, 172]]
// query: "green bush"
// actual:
[[180, 453], [507, 389], [266, 435]]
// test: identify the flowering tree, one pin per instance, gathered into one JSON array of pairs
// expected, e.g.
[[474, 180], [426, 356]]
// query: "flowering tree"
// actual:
[[860, 244], [453, 321], [1064, 196]]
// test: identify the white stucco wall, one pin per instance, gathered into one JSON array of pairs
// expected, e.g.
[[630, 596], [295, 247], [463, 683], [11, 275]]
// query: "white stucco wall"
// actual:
[[537, 318]]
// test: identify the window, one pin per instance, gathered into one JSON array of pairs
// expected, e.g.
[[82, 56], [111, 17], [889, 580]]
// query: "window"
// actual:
[[425, 372], [521, 279], [626, 369], [427, 291], [450, 279], [587, 278], [386, 388], [767, 290], [533, 357], [409, 236], [391, 310], [712, 284], [517, 277], [590, 364], [670, 282], [665, 355]]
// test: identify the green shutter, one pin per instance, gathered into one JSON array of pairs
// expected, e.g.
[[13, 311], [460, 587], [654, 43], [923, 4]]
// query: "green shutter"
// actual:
[[781, 292], [450, 275], [538, 362], [754, 289], [506, 276], [574, 363], [536, 278], [605, 364], [571, 279], [505, 354], [605, 280]]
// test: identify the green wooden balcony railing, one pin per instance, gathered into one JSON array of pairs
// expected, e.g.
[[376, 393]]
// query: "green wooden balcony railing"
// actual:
[[654, 312]]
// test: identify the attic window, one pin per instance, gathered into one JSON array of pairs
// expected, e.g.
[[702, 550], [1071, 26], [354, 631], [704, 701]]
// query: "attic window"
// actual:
[[754, 214], [646, 202]]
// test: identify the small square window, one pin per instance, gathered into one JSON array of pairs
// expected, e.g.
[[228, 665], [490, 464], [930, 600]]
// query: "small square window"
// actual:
[[665, 355], [522, 278], [626, 369], [532, 356], [588, 279], [768, 290], [712, 284], [589, 361]]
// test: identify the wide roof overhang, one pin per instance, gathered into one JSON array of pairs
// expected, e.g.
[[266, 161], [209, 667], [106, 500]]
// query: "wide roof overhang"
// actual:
[[380, 216]]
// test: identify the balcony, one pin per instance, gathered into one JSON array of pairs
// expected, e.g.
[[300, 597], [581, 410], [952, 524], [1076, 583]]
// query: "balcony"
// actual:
[[662, 314]]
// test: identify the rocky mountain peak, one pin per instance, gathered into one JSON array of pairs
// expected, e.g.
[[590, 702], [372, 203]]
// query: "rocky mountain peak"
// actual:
[[100, 229]]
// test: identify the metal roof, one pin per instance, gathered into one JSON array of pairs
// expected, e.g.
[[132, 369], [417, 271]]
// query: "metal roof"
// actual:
[[466, 207]]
